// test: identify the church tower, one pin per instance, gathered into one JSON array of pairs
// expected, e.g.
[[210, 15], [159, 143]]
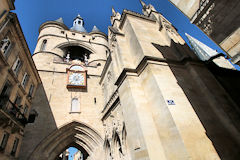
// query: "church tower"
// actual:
[[137, 93]]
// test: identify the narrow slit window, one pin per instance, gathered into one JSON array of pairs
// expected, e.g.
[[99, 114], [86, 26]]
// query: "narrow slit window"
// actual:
[[43, 46]]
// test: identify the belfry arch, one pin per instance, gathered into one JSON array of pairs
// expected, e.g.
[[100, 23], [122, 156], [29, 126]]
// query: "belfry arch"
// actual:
[[74, 134]]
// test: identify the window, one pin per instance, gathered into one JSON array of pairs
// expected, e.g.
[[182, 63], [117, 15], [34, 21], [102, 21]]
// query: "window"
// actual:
[[4, 140], [43, 46], [4, 96], [5, 45], [31, 90], [75, 105], [17, 65], [15, 145], [25, 79], [17, 100]]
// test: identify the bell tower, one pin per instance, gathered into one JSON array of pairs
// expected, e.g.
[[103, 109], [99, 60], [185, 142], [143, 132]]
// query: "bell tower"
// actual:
[[78, 24], [70, 63]]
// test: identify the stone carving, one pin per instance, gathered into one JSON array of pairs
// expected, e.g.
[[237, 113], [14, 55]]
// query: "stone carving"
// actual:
[[109, 76], [115, 145], [205, 22]]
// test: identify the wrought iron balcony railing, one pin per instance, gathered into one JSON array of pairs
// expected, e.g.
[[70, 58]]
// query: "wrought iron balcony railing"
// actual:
[[13, 110]]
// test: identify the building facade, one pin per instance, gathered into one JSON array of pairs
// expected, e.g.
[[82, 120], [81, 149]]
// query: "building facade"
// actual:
[[5, 7], [18, 82], [137, 93], [218, 19]]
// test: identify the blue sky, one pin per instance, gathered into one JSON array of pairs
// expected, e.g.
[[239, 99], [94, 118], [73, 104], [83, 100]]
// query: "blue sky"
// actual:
[[72, 151], [32, 14]]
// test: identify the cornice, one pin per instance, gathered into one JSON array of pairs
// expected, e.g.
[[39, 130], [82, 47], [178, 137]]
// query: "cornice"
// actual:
[[87, 41], [109, 60], [54, 23], [144, 62], [127, 12], [98, 32]]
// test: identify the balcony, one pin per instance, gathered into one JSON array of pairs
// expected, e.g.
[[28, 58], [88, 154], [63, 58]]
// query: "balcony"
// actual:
[[10, 111]]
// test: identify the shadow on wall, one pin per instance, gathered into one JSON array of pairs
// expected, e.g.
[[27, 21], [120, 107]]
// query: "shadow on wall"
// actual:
[[44, 124], [212, 104]]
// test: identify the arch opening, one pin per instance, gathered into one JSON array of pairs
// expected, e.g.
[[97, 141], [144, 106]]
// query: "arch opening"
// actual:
[[74, 151], [75, 134], [76, 53]]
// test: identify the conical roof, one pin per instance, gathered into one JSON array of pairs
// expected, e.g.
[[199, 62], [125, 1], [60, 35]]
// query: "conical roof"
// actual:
[[78, 24], [78, 16], [202, 51], [95, 29], [78, 28], [60, 20]]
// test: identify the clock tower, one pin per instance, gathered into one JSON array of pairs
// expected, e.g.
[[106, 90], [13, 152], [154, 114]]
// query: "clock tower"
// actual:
[[70, 62], [77, 76]]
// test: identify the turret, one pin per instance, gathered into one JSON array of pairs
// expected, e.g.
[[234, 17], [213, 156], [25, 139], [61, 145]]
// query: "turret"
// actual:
[[78, 24]]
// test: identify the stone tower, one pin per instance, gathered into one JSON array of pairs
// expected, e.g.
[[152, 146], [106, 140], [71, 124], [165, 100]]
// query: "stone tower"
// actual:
[[138, 93], [75, 109]]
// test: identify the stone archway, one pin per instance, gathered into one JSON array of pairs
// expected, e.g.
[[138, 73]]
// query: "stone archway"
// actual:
[[76, 134]]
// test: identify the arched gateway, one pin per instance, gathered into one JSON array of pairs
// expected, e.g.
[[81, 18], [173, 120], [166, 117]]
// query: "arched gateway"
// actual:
[[75, 134]]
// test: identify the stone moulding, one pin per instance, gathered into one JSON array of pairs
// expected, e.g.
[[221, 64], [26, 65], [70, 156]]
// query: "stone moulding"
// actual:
[[111, 104], [84, 136]]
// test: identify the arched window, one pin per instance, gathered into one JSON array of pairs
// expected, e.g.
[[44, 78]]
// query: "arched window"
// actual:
[[75, 106], [43, 46]]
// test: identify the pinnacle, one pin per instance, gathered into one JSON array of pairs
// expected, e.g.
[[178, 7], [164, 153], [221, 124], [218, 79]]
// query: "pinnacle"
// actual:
[[142, 3], [95, 29], [113, 11]]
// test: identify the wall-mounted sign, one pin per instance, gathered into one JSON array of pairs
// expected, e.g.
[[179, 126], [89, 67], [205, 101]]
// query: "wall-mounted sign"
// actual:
[[170, 102]]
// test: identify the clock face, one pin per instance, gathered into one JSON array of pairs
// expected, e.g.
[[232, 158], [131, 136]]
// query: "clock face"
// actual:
[[77, 79]]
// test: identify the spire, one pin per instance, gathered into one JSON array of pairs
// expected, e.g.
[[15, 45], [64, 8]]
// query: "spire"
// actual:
[[78, 24], [205, 53], [142, 3], [95, 29], [113, 12], [202, 51], [60, 20], [78, 16]]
